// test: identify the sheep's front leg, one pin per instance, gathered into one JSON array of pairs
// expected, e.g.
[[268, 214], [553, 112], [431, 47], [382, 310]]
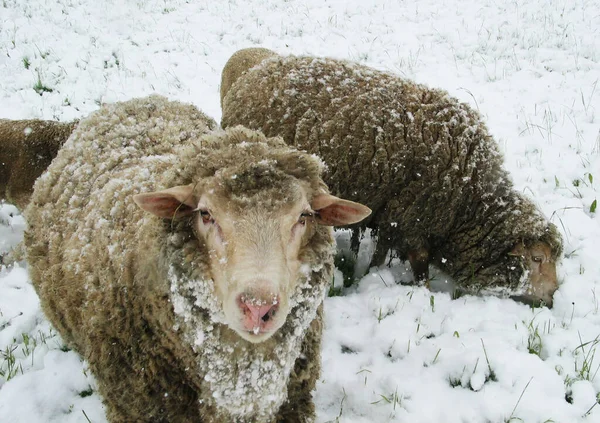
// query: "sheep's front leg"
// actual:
[[419, 263], [299, 406], [382, 247]]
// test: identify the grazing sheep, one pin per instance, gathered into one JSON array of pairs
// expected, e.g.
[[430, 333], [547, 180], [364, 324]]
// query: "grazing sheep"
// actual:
[[421, 160], [187, 267], [26, 149]]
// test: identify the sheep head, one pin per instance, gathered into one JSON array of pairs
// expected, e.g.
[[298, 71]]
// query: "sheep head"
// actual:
[[256, 226], [540, 262]]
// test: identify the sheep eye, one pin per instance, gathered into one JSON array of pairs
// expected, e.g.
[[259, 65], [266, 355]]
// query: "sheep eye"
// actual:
[[537, 259], [303, 217], [206, 217]]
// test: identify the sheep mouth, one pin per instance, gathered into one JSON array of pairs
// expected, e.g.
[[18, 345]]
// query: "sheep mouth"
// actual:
[[258, 331], [255, 336]]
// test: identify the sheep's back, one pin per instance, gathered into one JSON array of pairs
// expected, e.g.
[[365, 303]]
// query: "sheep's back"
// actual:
[[384, 139]]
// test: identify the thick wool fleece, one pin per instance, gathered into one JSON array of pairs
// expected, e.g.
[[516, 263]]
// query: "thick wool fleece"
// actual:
[[421, 160], [240, 62], [26, 149], [131, 292]]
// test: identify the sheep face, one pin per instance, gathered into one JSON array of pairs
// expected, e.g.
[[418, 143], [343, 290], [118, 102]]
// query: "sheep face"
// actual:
[[255, 241], [255, 258], [541, 266]]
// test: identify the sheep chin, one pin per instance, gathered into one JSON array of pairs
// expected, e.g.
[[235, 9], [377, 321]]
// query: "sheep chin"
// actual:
[[248, 379], [255, 336]]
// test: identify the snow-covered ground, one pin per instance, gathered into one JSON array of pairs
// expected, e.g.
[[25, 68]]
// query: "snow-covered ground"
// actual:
[[391, 353]]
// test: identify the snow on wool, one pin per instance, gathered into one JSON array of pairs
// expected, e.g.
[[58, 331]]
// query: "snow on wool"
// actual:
[[247, 382]]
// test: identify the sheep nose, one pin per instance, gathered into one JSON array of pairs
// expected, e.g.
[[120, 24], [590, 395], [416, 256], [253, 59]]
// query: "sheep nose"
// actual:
[[258, 312], [263, 313]]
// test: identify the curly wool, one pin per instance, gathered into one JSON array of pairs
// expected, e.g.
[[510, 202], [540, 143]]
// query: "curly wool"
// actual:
[[130, 292], [420, 159], [244, 60], [26, 149]]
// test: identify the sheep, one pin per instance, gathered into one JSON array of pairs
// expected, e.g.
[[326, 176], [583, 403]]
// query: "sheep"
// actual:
[[424, 162], [26, 149], [186, 264]]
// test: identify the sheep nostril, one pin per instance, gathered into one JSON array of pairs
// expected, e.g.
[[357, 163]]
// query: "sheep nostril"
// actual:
[[269, 314]]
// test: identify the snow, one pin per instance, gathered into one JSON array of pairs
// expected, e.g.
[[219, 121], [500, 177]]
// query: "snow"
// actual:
[[12, 226], [391, 353]]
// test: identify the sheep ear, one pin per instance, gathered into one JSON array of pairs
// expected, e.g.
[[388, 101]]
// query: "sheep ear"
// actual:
[[518, 250], [334, 211], [169, 203]]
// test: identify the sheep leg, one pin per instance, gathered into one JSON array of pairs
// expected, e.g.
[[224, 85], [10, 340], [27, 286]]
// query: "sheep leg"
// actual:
[[419, 263], [355, 240], [381, 249]]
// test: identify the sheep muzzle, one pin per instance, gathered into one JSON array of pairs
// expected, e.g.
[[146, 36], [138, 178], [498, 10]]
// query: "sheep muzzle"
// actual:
[[258, 311]]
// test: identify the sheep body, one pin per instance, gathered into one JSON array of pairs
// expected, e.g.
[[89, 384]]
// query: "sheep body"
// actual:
[[26, 149], [131, 292], [421, 160]]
